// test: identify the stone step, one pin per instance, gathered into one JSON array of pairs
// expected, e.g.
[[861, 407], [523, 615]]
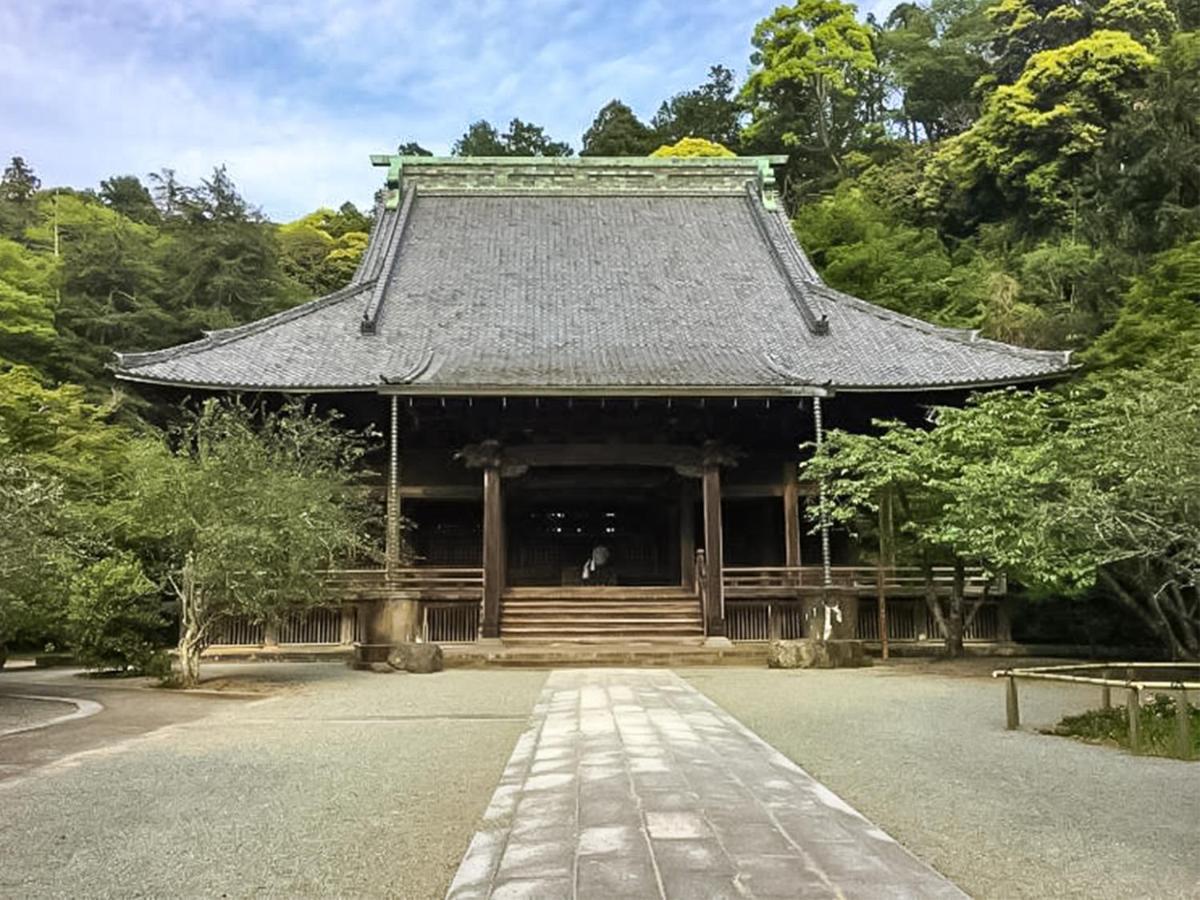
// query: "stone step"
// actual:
[[566, 632], [674, 652], [593, 612], [592, 617], [599, 600]]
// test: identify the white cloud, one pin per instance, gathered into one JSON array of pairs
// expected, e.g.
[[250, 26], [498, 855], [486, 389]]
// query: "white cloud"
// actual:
[[294, 94]]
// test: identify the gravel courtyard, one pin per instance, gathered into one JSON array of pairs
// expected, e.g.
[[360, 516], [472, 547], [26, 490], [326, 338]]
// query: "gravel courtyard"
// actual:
[[354, 784], [1004, 814], [348, 784]]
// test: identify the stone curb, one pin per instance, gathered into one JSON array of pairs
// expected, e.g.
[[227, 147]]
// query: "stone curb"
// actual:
[[83, 709]]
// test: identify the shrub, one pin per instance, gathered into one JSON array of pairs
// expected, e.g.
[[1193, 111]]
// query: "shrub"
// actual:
[[1156, 721], [114, 619]]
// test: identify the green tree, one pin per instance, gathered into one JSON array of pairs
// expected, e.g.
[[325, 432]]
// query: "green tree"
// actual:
[[1036, 137], [480, 139], [33, 548], [1025, 28], [241, 510], [711, 111], [168, 192], [936, 55], [412, 148], [112, 286], [692, 147], [114, 617], [862, 249], [57, 432], [26, 304], [1143, 190], [224, 263], [521, 139], [527, 139], [317, 258], [909, 467], [1160, 319], [18, 187], [127, 195], [1100, 489], [812, 70], [616, 131]]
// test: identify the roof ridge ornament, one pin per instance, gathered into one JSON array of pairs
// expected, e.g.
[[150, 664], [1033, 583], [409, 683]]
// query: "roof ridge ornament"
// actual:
[[766, 184], [370, 318], [764, 221]]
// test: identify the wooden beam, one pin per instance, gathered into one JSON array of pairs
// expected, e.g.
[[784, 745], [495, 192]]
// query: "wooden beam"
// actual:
[[743, 491], [493, 551], [557, 455], [441, 491], [713, 547]]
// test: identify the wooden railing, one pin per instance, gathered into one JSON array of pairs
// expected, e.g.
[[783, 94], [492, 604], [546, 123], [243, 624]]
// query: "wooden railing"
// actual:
[[458, 583], [751, 582]]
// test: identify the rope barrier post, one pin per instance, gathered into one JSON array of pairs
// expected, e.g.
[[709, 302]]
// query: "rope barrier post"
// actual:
[[1133, 708], [1183, 725], [1012, 707]]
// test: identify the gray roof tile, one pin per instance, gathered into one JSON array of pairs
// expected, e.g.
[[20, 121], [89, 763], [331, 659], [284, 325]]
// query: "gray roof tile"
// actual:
[[552, 291]]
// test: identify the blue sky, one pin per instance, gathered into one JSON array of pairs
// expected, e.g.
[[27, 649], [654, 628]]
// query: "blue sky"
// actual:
[[294, 95]]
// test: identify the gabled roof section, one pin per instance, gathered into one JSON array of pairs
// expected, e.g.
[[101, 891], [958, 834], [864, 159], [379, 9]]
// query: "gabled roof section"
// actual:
[[587, 276]]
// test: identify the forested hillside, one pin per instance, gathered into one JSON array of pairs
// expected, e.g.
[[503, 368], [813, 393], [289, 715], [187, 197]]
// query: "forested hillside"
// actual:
[[1030, 168]]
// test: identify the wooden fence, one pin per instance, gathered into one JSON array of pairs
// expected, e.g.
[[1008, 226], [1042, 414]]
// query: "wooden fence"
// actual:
[[764, 620], [330, 626]]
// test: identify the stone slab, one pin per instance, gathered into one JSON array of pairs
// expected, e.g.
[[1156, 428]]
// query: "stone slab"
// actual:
[[630, 783]]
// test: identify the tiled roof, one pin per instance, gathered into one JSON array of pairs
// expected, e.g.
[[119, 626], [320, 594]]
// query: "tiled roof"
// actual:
[[587, 277]]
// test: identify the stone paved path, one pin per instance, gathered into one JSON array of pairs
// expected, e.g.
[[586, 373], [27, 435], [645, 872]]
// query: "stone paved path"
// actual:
[[630, 783]]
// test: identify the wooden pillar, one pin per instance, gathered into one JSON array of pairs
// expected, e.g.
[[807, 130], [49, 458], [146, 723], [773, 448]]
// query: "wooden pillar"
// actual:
[[791, 515], [687, 536], [714, 613], [392, 538], [493, 550]]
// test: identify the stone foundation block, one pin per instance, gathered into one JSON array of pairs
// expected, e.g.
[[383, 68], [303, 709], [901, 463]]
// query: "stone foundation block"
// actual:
[[814, 654], [421, 659]]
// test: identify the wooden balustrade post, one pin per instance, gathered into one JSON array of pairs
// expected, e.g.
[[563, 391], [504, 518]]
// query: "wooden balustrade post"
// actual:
[[1106, 691], [493, 550]]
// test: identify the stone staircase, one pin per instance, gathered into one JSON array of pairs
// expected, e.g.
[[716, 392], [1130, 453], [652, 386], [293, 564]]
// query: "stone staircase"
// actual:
[[599, 615]]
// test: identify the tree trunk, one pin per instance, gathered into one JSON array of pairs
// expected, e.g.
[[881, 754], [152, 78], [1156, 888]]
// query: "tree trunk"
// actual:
[[931, 598], [954, 622], [1150, 612], [192, 628]]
